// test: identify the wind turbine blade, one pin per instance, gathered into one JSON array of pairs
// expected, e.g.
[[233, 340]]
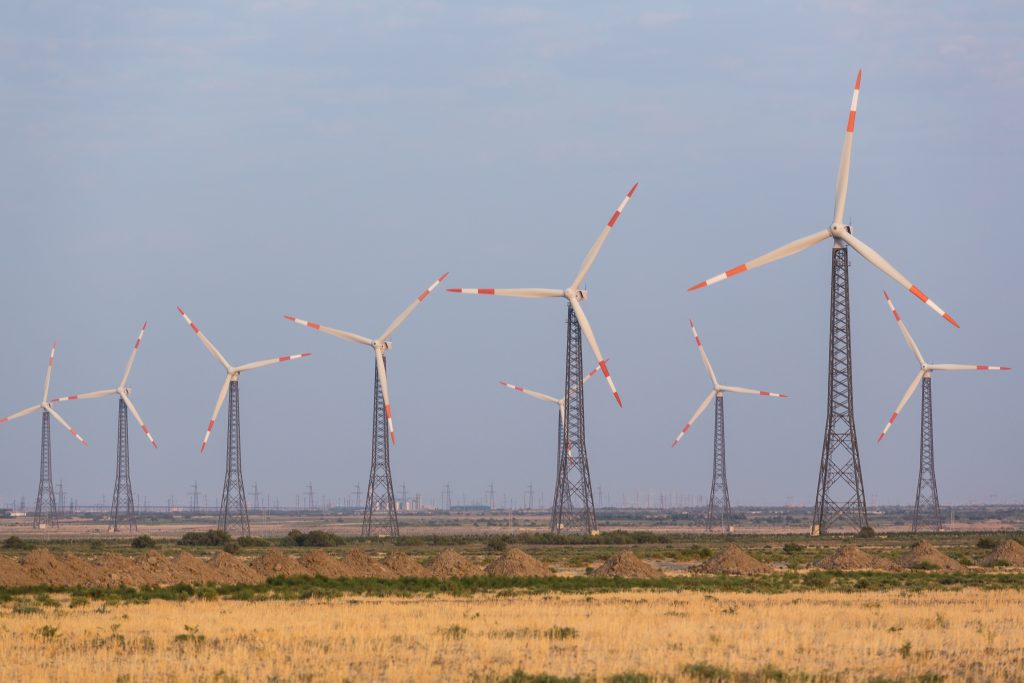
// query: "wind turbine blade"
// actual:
[[703, 355], [528, 392], [405, 314], [903, 402], [91, 394], [700, 409], [138, 418], [63, 422], [756, 392], [383, 376], [340, 334], [206, 342], [270, 361], [596, 248], [21, 413], [527, 293], [49, 373], [216, 410], [957, 366], [875, 259], [793, 247], [592, 340], [843, 179], [131, 358], [903, 328], [590, 374]]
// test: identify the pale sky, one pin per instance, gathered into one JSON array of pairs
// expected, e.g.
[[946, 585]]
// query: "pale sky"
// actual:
[[330, 160]]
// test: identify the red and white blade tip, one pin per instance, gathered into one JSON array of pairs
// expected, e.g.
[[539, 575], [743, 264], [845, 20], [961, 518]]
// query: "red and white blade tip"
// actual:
[[391, 426], [992, 367], [742, 268], [297, 355], [681, 434], [886, 428], [772, 394], [461, 290], [853, 105], [430, 289], [149, 436], [300, 321], [513, 386], [207, 436], [932, 305], [53, 350], [607, 375]]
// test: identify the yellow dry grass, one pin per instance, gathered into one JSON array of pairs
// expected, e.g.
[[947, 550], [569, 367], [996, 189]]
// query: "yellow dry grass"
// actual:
[[963, 635]]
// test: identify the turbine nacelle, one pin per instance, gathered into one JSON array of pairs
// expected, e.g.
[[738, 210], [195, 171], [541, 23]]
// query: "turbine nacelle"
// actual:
[[382, 344], [577, 294]]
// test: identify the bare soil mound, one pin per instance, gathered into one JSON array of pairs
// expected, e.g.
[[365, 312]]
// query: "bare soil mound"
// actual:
[[231, 569], [113, 569], [85, 572], [850, 557], [627, 565], [358, 564], [733, 560], [1010, 553], [12, 574], [926, 556], [276, 563], [320, 563], [403, 565], [450, 564], [190, 569], [156, 569], [43, 567], [515, 562]]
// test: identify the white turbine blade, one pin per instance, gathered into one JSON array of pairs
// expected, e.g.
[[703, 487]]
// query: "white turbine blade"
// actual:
[[529, 392], [383, 376], [756, 392], [700, 409], [216, 410], [405, 314], [91, 394], [903, 328], [206, 342], [586, 378], [703, 355], [138, 418], [793, 247], [270, 361], [903, 402], [68, 427], [959, 366], [21, 413], [596, 248], [523, 293], [49, 373], [592, 340], [131, 358], [875, 259], [843, 179], [340, 334]]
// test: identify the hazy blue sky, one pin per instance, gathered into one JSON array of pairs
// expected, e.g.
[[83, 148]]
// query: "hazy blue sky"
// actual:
[[329, 160]]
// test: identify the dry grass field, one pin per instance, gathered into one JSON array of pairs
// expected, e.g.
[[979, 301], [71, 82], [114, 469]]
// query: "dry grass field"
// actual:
[[921, 636]]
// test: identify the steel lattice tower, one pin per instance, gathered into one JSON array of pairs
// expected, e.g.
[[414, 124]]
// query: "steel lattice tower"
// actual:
[[573, 508], [234, 514], [840, 496], [47, 514], [926, 506], [719, 510], [380, 517], [122, 506]]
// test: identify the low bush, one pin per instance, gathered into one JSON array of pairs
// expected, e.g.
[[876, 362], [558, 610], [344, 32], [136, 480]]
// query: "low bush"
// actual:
[[213, 537], [16, 543], [143, 542]]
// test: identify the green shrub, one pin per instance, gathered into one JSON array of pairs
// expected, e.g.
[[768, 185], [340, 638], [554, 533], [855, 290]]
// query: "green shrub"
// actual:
[[866, 532], [16, 543], [232, 547], [252, 542], [791, 548], [143, 542], [214, 537], [987, 543], [497, 544], [313, 539]]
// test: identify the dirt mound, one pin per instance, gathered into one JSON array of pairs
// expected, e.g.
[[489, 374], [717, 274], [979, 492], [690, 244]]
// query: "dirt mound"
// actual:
[[1009, 553], [190, 569], [628, 566], [403, 565], [733, 560], [850, 557], [85, 572], [43, 567], [450, 564], [156, 569], [515, 562], [276, 563], [12, 574], [113, 570], [926, 556], [231, 569], [320, 563], [359, 564]]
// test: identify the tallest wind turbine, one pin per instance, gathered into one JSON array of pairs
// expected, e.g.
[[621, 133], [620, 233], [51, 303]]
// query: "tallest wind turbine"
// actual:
[[575, 505], [840, 495]]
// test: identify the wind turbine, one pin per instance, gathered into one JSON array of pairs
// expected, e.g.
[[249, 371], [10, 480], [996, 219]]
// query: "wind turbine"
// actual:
[[380, 493], [123, 501], [579, 512], [46, 505], [563, 451], [840, 494], [718, 501], [234, 514], [926, 504]]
